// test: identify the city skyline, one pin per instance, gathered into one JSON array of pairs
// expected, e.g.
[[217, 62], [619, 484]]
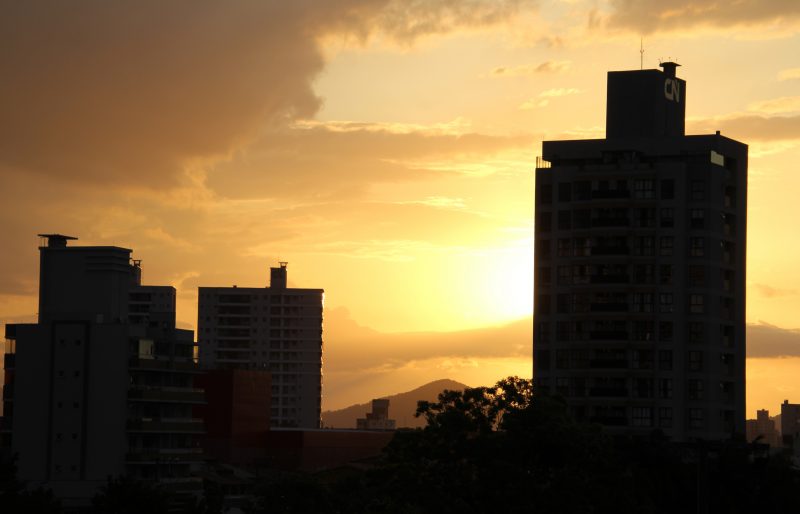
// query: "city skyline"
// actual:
[[387, 156]]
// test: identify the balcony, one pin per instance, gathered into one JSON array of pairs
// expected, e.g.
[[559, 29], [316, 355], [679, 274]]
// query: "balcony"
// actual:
[[608, 364], [608, 335], [610, 222], [186, 366], [167, 425], [167, 395], [611, 250], [608, 392], [609, 279], [611, 421], [164, 455], [607, 194], [608, 307], [9, 361]]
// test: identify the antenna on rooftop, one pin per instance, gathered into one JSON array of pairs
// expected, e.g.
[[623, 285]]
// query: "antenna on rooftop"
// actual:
[[641, 53]]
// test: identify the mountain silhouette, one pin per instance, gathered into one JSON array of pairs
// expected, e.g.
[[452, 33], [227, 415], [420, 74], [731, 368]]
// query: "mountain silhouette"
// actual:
[[402, 406]]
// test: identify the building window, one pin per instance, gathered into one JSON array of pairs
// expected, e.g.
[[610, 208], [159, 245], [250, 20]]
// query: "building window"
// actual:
[[542, 360], [667, 218], [696, 360], [642, 302], [642, 330], [696, 276], [697, 246], [564, 275], [665, 274], [665, 388], [564, 192], [543, 334], [643, 246], [696, 332], [698, 190], [564, 220], [542, 250], [643, 189], [665, 417], [544, 276], [696, 389], [667, 189], [697, 218], [645, 218], [696, 418], [665, 303], [665, 360], [582, 247], [666, 245], [562, 386], [696, 304], [643, 388], [643, 273], [665, 331], [544, 194], [564, 248], [545, 222], [641, 417]]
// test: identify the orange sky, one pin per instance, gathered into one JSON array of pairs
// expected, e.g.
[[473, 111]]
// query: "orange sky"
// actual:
[[385, 148]]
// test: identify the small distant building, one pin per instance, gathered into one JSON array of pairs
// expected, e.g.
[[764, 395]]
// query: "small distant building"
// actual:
[[790, 422], [762, 427], [378, 419]]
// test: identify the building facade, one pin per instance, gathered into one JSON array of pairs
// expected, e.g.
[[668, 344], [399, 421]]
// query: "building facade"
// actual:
[[640, 268], [790, 423], [762, 429], [378, 418], [276, 329], [101, 385]]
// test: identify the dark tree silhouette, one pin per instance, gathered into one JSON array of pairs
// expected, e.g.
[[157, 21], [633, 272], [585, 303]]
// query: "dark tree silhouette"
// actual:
[[124, 495]]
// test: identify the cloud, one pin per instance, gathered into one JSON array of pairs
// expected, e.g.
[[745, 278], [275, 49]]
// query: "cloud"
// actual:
[[647, 16], [136, 92], [526, 70], [543, 99], [773, 292], [782, 105], [325, 162], [354, 348], [750, 127], [764, 340], [789, 74]]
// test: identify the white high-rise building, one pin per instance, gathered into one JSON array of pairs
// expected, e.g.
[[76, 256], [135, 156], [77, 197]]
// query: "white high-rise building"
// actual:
[[275, 328]]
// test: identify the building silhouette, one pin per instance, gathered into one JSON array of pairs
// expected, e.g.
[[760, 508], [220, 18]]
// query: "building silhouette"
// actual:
[[102, 384], [276, 329], [762, 429], [640, 268], [790, 423], [378, 419]]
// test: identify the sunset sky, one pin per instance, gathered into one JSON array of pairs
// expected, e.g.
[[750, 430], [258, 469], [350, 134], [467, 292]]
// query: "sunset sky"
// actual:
[[384, 148]]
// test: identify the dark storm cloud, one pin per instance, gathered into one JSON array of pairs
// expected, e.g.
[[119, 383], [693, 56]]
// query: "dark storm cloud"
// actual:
[[648, 16], [133, 91]]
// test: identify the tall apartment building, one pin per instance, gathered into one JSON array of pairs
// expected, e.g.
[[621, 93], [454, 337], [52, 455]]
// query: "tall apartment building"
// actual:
[[275, 328], [101, 385], [640, 268]]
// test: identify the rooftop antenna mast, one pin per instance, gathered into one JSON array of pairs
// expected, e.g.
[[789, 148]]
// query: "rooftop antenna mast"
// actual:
[[641, 53]]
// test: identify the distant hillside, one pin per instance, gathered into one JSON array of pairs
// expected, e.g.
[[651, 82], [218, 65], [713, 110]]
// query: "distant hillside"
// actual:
[[401, 406]]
